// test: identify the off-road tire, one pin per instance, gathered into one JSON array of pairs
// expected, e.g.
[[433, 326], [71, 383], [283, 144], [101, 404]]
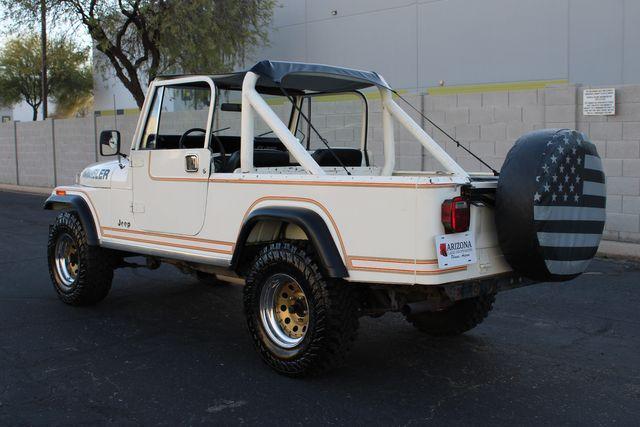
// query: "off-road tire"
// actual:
[[333, 308], [461, 317], [95, 265]]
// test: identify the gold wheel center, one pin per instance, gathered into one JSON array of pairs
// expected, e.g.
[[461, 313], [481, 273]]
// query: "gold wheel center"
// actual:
[[292, 310], [72, 257]]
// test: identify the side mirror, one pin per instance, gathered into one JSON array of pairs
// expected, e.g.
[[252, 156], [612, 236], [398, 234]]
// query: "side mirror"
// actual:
[[109, 143]]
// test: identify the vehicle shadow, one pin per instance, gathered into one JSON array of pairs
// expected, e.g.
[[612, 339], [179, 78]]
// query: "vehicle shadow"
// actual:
[[164, 348], [390, 357]]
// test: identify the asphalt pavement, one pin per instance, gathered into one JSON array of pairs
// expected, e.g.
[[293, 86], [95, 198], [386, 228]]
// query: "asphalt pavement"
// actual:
[[165, 349]]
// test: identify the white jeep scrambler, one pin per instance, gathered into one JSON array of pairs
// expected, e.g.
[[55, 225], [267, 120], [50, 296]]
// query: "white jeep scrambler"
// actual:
[[320, 236]]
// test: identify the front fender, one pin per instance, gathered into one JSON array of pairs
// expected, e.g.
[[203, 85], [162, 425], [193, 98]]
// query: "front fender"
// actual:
[[310, 222], [78, 204]]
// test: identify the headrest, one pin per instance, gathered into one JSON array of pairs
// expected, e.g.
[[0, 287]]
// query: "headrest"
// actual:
[[263, 158], [348, 156], [269, 158]]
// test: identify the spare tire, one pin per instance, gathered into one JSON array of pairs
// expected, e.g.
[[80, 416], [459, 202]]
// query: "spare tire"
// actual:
[[550, 204]]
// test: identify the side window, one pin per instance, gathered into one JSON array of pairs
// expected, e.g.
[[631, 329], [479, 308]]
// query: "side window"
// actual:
[[178, 118]]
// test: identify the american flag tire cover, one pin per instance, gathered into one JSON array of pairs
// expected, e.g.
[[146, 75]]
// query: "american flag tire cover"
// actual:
[[550, 204]]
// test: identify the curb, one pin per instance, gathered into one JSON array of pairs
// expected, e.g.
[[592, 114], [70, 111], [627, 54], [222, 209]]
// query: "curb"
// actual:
[[25, 189], [612, 249]]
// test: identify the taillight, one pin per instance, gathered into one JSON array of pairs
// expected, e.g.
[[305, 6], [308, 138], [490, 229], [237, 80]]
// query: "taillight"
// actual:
[[456, 215]]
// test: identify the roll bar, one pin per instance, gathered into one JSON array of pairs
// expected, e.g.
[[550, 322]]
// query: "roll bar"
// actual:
[[390, 108], [253, 103]]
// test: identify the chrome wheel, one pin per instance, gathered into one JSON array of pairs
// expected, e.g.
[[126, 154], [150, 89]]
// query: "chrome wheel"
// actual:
[[284, 311], [66, 260]]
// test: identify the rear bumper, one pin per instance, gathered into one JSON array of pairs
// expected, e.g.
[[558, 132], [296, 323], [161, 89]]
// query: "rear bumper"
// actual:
[[490, 264], [487, 285]]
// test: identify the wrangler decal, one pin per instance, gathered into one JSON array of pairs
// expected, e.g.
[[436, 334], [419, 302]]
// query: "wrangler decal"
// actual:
[[101, 174]]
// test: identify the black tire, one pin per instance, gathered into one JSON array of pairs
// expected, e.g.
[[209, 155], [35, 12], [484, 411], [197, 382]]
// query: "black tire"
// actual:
[[461, 317], [332, 311], [93, 264]]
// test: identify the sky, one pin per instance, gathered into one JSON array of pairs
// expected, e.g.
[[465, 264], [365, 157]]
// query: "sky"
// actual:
[[60, 28]]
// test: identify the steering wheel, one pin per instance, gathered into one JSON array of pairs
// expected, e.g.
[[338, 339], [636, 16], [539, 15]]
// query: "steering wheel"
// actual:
[[219, 163], [184, 135]]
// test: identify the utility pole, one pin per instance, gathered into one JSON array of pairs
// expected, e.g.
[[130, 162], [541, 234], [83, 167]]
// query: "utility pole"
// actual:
[[43, 40]]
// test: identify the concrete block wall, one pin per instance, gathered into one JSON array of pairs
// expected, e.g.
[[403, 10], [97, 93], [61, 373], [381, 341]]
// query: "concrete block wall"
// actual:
[[488, 123], [75, 147], [409, 153], [338, 121], [618, 141], [70, 143], [8, 173], [497, 119], [36, 157]]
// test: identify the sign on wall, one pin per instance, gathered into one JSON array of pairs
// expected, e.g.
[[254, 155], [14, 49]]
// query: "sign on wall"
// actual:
[[599, 102]]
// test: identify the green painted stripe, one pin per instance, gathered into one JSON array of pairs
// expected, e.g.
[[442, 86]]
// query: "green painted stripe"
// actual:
[[125, 112], [375, 94], [340, 97], [276, 101], [494, 87]]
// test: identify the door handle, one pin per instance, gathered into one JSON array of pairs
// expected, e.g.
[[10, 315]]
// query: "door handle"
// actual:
[[191, 163]]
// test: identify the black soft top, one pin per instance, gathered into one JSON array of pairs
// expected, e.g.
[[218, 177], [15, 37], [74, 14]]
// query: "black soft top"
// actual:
[[297, 77]]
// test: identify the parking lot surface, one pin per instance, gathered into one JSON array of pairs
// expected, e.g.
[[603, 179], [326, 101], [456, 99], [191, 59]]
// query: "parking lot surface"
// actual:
[[165, 349]]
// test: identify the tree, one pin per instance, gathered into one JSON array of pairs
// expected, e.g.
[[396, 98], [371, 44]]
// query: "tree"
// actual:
[[144, 38], [43, 59], [69, 73], [23, 12]]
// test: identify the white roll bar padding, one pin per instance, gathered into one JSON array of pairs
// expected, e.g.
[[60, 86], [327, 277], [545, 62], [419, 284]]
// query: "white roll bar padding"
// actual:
[[410, 125], [252, 101], [363, 129], [389, 143], [247, 131]]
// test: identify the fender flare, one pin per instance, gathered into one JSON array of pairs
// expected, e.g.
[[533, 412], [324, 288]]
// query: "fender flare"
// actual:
[[78, 204], [310, 222]]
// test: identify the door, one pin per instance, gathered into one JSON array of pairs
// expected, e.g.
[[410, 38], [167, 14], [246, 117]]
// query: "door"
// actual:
[[170, 167]]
